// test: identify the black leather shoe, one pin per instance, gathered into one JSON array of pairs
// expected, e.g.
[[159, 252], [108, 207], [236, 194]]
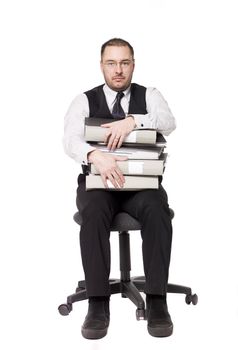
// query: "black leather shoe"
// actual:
[[96, 323], [159, 321]]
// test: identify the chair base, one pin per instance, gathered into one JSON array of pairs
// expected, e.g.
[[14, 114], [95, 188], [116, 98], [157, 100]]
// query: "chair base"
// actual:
[[129, 289]]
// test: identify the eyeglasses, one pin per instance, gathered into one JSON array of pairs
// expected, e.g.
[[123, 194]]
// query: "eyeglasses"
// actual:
[[113, 64]]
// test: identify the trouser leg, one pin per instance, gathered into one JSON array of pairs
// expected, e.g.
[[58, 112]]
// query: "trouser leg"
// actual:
[[98, 209], [151, 208]]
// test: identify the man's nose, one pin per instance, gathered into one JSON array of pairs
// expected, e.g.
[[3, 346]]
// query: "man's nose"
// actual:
[[118, 68]]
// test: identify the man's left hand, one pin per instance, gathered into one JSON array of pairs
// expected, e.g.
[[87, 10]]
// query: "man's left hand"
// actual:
[[117, 131]]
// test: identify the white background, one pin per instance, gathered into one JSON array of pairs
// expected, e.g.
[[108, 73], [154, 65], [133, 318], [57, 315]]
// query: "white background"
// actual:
[[49, 54]]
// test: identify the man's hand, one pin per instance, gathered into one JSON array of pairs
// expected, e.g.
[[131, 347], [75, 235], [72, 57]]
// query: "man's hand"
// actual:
[[107, 167], [117, 131]]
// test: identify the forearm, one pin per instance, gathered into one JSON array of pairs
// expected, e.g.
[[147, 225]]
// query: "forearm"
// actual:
[[76, 148], [159, 115], [74, 144]]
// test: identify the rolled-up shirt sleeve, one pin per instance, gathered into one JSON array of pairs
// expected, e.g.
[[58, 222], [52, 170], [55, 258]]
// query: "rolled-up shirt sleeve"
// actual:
[[159, 115], [73, 141]]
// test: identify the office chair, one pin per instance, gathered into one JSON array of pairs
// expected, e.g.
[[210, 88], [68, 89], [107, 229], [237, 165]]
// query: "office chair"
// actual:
[[129, 287]]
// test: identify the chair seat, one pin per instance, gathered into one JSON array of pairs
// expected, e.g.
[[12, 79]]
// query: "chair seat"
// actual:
[[121, 222]]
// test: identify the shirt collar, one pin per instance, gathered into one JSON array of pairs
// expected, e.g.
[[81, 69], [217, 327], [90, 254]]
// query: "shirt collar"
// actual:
[[109, 92]]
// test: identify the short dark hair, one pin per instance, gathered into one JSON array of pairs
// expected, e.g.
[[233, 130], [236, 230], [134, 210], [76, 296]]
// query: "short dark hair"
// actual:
[[117, 42]]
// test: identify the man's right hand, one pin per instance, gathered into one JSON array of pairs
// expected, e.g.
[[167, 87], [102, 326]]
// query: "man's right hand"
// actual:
[[107, 167]]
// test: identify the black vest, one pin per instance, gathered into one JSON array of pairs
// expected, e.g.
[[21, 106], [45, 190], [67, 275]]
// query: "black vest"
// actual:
[[98, 107]]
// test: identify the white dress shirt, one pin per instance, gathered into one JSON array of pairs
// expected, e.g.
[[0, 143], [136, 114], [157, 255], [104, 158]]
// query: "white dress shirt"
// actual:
[[159, 117]]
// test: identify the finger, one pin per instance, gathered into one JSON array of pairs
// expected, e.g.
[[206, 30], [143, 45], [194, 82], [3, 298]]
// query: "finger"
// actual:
[[121, 157], [114, 143], [113, 181], [104, 180], [119, 177], [120, 141], [106, 136], [111, 141], [107, 125]]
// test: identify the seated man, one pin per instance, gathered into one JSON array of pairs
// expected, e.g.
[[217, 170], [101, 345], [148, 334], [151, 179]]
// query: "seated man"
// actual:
[[144, 108]]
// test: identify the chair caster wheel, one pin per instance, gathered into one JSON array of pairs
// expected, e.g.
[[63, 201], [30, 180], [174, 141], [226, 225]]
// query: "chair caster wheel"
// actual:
[[65, 309], [140, 314], [191, 298]]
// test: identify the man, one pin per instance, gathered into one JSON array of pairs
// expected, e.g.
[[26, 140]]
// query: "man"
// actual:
[[142, 108]]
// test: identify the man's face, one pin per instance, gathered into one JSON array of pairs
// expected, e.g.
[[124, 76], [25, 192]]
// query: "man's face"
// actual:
[[117, 66]]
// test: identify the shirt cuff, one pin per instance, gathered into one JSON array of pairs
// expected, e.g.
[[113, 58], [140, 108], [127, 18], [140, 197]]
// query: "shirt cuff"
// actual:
[[84, 159], [142, 121]]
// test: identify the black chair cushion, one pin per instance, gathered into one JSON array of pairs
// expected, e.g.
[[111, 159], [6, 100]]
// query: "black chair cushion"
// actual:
[[121, 222]]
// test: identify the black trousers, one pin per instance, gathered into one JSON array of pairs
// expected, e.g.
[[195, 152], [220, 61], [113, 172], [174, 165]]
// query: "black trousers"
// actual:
[[150, 208]]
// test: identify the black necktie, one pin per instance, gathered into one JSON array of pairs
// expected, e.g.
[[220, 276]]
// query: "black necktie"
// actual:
[[117, 110]]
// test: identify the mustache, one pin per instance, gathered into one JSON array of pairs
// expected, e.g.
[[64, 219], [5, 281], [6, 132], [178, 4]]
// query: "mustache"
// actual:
[[118, 76]]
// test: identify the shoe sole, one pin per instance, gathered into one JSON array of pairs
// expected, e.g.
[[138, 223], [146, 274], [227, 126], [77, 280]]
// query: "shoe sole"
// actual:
[[160, 331], [93, 333]]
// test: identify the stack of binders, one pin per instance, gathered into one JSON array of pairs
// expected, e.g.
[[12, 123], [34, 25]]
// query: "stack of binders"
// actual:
[[144, 149]]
